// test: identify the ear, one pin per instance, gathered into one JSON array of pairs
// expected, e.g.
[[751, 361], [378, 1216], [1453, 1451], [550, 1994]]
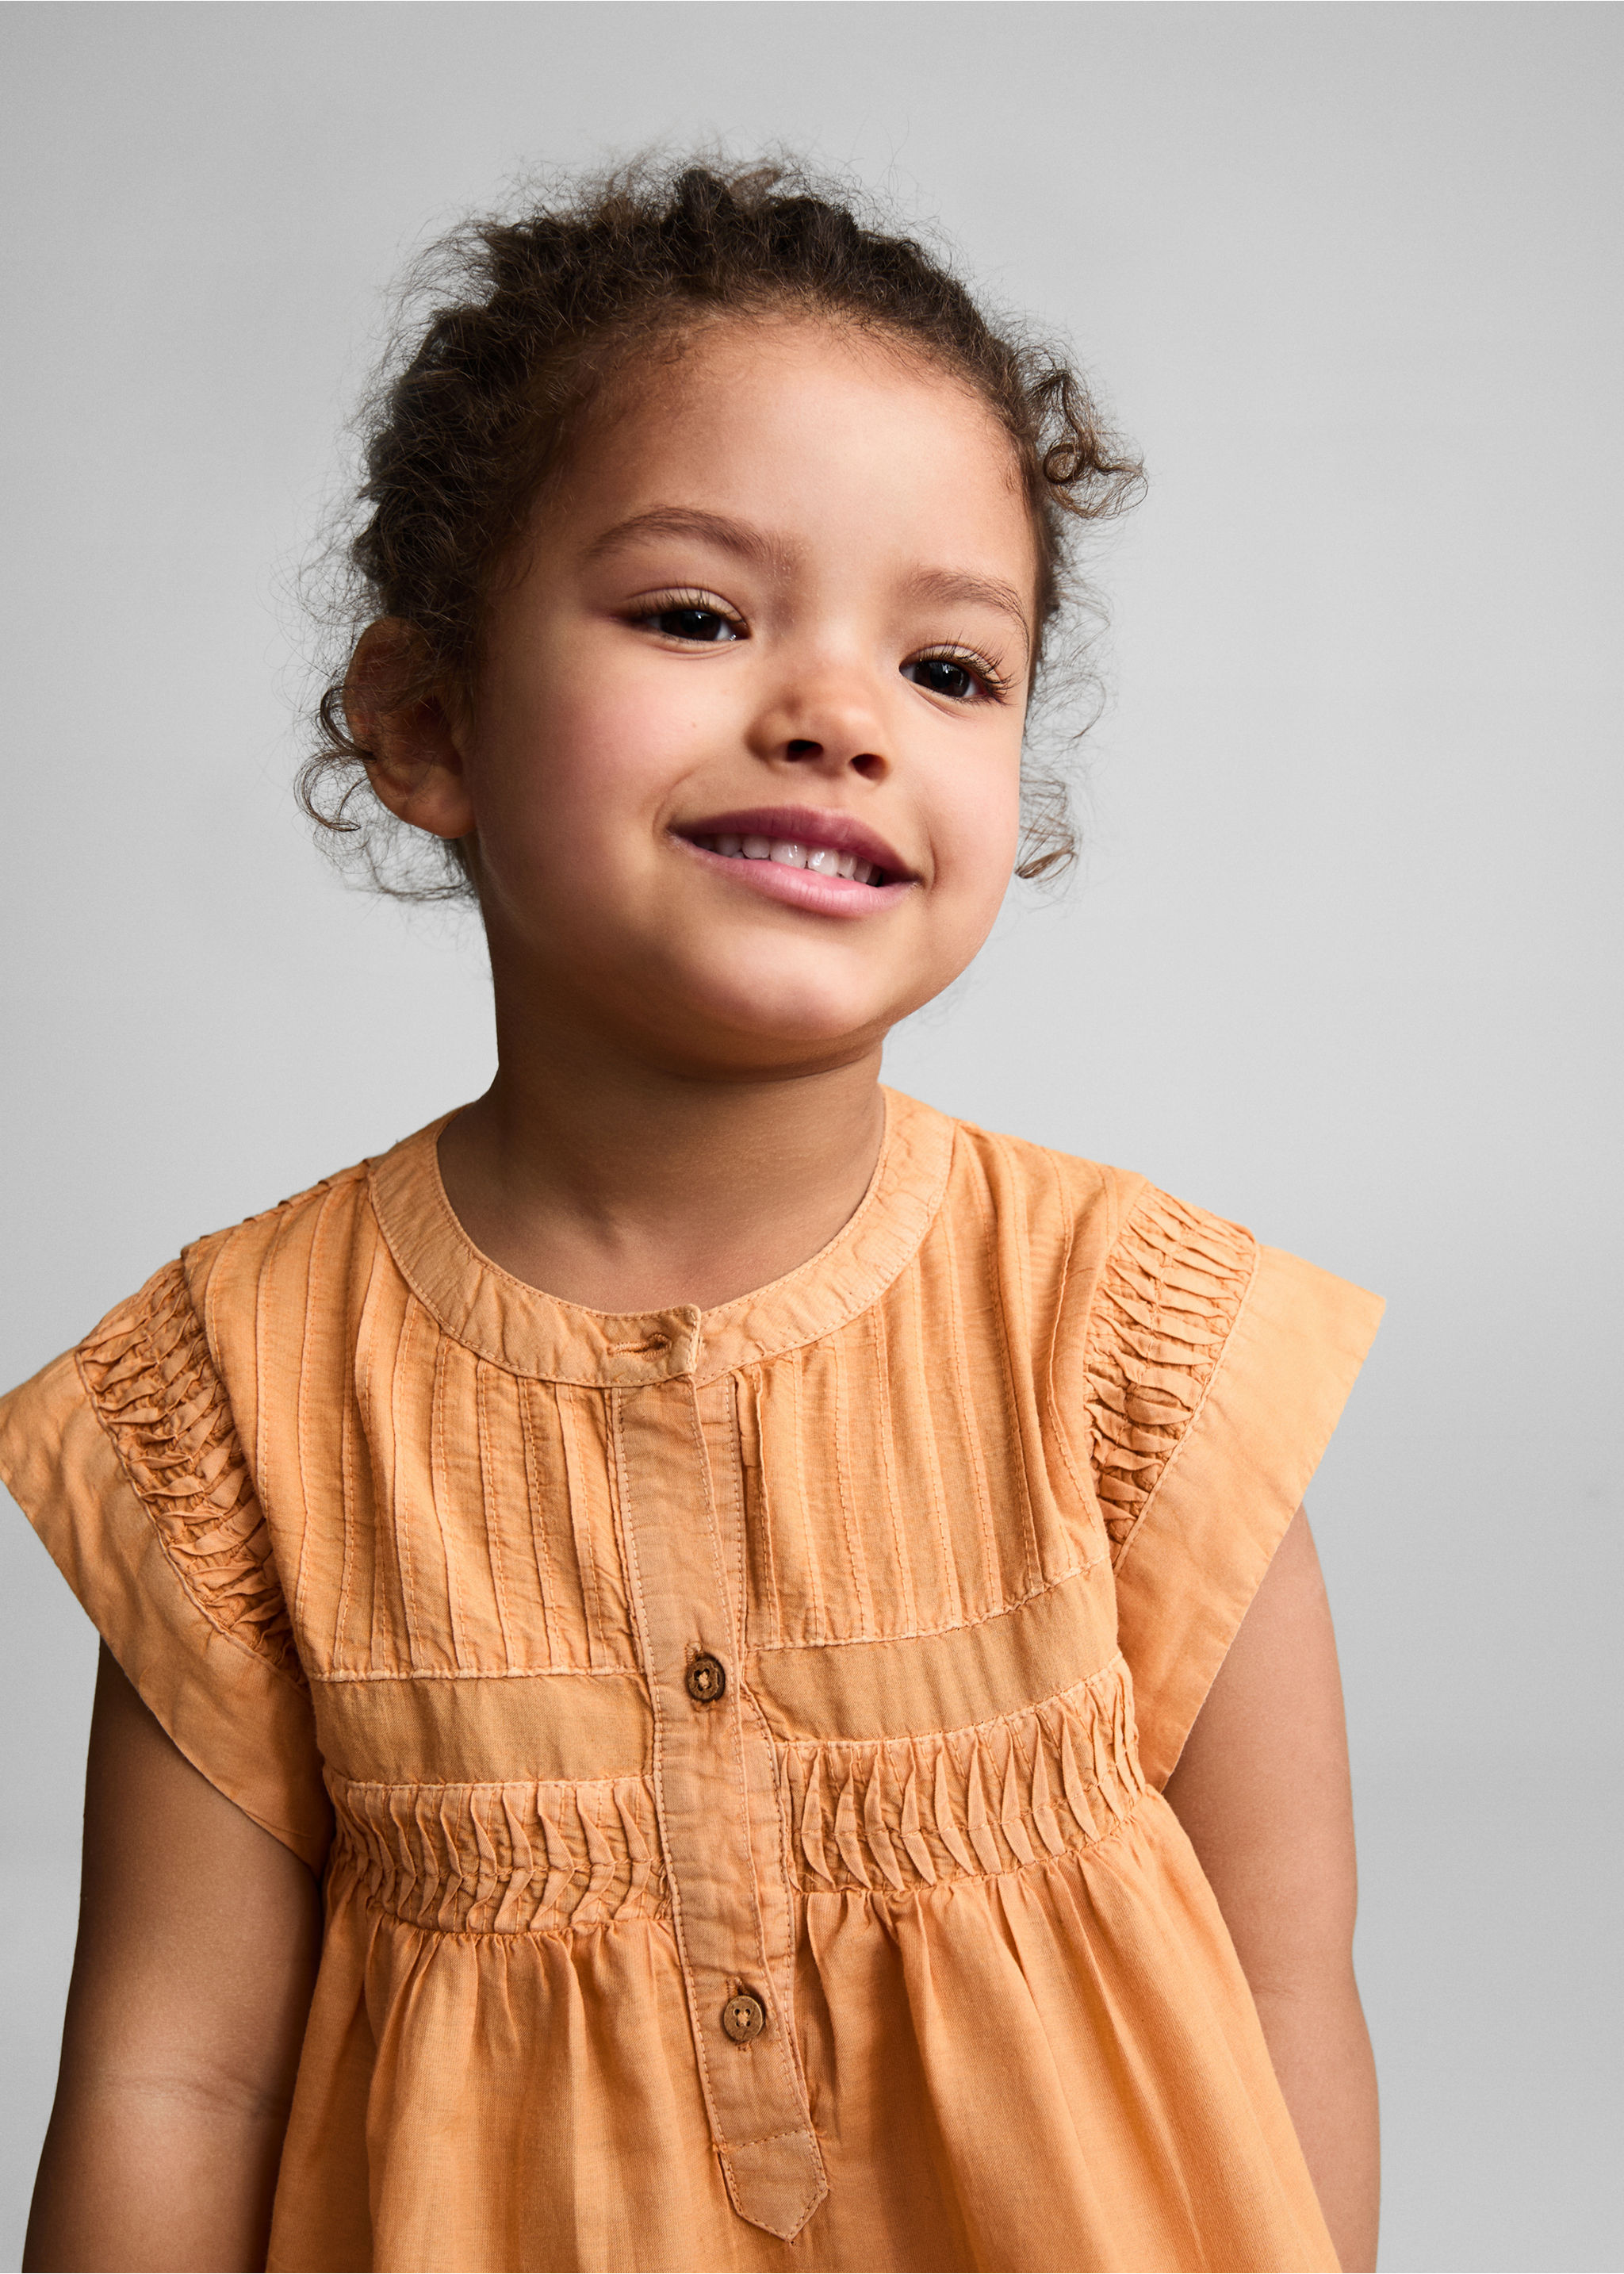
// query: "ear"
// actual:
[[413, 759]]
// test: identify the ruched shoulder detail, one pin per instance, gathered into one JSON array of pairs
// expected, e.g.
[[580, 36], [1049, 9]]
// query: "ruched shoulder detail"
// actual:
[[1169, 1297], [148, 1374]]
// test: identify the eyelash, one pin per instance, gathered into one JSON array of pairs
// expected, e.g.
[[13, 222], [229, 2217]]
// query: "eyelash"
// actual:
[[687, 597], [994, 685]]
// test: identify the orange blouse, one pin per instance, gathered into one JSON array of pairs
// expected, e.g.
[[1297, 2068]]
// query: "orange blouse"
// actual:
[[732, 1740]]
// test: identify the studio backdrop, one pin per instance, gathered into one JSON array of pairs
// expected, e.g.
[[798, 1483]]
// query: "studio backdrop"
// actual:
[[1340, 959]]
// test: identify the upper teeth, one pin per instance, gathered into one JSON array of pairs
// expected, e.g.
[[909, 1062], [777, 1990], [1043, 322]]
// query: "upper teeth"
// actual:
[[791, 854]]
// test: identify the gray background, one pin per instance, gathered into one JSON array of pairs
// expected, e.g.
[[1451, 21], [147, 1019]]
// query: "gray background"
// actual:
[[1340, 964]]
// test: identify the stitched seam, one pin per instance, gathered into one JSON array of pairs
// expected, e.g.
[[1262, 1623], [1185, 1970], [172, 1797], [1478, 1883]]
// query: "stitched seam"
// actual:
[[855, 1553], [807, 2204], [931, 1448], [1062, 1435], [442, 1204], [736, 1483], [399, 1522], [781, 2034], [992, 1570], [439, 1492], [934, 1634], [1034, 1567], [853, 1226], [489, 1504], [532, 1514], [780, 1794], [747, 1391], [377, 1605], [362, 1369], [930, 1207], [947, 1561], [674, 1889], [572, 1785], [815, 1582], [881, 1339], [581, 1530], [480, 1674], [268, 1256], [301, 1408], [962, 1729]]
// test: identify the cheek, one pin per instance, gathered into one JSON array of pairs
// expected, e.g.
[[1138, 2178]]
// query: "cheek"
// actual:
[[977, 832], [579, 755]]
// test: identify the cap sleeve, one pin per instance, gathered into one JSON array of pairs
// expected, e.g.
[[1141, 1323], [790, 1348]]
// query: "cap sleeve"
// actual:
[[1217, 1370], [124, 1456]]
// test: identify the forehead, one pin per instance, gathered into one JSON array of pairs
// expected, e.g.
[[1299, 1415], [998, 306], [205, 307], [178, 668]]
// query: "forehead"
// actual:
[[816, 429]]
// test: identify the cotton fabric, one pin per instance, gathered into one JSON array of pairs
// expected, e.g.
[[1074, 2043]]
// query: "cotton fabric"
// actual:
[[411, 1560]]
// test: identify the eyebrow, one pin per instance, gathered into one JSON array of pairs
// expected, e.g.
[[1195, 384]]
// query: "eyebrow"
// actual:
[[951, 585], [689, 521]]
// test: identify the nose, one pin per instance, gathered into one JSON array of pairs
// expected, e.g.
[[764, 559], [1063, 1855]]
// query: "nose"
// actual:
[[826, 721]]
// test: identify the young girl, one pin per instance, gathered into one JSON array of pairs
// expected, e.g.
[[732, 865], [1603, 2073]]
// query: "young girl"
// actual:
[[704, 1667]]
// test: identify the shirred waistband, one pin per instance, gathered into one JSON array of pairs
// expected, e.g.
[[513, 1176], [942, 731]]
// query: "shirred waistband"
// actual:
[[887, 1817]]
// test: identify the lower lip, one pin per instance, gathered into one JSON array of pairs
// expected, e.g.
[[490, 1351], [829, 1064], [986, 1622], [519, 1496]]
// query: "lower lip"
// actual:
[[802, 888]]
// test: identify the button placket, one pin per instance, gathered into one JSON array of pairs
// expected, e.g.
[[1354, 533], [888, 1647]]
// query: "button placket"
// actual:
[[729, 1912]]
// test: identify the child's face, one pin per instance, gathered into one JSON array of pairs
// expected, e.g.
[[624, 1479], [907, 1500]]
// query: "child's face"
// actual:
[[783, 595]]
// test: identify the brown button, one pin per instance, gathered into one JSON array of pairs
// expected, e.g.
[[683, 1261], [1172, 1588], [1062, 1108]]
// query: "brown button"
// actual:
[[743, 2017], [707, 1679]]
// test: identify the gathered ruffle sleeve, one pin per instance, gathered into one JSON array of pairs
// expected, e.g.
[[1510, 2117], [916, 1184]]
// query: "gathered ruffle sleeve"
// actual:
[[124, 1456], [1217, 1369]]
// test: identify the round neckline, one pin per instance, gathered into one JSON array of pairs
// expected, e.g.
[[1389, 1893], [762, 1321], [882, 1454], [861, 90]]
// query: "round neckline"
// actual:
[[529, 1331]]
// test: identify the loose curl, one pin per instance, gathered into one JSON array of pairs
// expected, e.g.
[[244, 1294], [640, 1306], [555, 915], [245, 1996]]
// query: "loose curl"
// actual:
[[527, 321]]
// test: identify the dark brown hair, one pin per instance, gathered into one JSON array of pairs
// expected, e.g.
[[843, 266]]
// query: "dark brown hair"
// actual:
[[528, 317]]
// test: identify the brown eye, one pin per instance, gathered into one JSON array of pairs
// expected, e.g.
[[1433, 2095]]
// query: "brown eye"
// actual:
[[939, 674], [703, 626]]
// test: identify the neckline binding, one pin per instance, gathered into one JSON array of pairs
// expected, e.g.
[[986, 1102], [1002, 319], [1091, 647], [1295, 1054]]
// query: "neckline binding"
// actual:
[[526, 1331]]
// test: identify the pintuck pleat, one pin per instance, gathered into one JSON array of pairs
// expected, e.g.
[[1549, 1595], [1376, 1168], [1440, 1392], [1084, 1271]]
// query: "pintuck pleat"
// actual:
[[500, 1554]]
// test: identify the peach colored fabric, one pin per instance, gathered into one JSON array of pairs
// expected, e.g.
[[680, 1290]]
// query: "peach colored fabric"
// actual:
[[412, 1560]]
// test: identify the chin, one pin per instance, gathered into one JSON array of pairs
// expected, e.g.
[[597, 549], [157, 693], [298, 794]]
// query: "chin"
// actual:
[[755, 1019]]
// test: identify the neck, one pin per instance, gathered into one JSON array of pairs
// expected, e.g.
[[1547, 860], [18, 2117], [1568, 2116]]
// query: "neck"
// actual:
[[629, 1186]]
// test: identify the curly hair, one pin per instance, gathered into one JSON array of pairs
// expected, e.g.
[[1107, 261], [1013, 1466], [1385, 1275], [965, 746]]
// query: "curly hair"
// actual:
[[527, 319]]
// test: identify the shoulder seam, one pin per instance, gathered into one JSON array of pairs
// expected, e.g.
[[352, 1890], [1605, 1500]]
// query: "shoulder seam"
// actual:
[[356, 1173]]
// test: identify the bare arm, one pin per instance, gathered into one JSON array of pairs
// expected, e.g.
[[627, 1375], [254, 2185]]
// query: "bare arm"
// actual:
[[1262, 1789], [198, 1940]]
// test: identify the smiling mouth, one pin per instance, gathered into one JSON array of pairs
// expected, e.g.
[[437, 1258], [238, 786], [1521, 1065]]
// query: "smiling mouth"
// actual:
[[790, 852], [825, 844]]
